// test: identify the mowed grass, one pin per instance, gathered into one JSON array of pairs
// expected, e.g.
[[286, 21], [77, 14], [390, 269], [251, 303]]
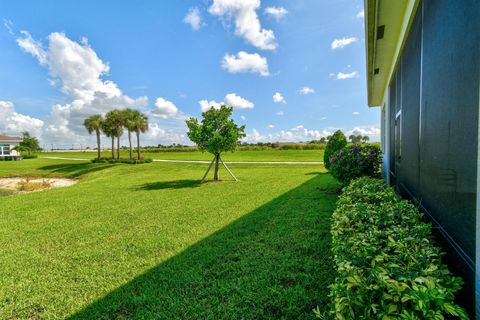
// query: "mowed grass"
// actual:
[[265, 155], [148, 242]]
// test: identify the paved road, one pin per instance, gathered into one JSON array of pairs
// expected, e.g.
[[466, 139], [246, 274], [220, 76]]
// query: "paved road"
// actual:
[[204, 161]]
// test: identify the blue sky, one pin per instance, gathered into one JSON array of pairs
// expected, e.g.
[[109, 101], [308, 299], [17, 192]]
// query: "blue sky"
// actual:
[[63, 60]]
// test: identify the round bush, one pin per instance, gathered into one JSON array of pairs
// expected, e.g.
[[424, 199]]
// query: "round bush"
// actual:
[[355, 161], [336, 142]]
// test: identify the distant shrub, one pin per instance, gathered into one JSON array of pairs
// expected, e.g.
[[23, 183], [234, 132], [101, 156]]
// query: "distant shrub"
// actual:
[[301, 146], [336, 142], [355, 161], [254, 148], [122, 160], [388, 266], [168, 149], [25, 152], [29, 155], [244, 147]]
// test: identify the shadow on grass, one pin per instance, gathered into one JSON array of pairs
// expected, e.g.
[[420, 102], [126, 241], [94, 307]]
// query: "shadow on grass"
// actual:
[[273, 263], [177, 184], [76, 169], [314, 173]]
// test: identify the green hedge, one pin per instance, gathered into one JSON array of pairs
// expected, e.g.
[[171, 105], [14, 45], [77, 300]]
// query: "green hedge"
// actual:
[[122, 160], [29, 155], [388, 265]]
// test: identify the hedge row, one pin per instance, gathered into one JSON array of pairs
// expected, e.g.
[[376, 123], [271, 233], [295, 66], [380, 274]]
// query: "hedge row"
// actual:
[[122, 160], [388, 265]]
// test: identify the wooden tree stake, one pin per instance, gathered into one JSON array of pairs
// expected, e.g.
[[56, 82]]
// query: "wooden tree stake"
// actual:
[[228, 169], [208, 170]]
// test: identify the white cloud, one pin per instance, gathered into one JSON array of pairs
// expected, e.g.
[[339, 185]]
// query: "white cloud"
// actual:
[[78, 71], [245, 62], [372, 132], [158, 135], [247, 24], [278, 98], [243, 118], [193, 18], [280, 113], [164, 109], [343, 42], [9, 26], [302, 134], [32, 46], [361, 14], [14, 123], [356, 113], [231, 99], [238, 102], [323, 118], [297, 128], [271, 126], [343, 76], [276, 12], [306, 90], [206, 105]]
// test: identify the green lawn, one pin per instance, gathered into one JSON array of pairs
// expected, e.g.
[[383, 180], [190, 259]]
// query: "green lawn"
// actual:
[[146, 241], [266, 155]]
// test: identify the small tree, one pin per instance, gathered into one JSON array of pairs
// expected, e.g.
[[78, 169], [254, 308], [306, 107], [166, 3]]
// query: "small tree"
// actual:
[[216, 133], [336, 142], [30, 142], [94, 124], [355, 138], [365, 139], [109, 132], [139, 124]]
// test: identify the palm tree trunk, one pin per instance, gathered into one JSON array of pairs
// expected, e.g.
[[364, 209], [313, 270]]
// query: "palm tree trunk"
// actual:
[[130, 143], [98, 144], [217, 160], [113, 147], [118, 147], [138, 145]]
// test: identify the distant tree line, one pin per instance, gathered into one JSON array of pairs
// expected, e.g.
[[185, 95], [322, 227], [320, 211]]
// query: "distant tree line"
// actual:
[[113, 125], [358, 138]]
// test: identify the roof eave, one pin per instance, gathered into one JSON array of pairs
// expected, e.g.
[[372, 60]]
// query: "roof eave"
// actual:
[[383, 54]]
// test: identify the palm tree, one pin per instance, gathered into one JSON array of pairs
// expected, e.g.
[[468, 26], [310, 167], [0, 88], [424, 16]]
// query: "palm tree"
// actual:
[[115, 122], [129, 123], [95, 123], [139, 124], [109, 132]]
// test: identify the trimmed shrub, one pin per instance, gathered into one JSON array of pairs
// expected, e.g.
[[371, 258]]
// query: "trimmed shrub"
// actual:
[[388, 266], [122, 160], [29, 155], [336, 142], [356, 161]]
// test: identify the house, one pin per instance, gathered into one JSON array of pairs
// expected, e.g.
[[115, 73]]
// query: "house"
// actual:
[[423, 71], [6, 147]]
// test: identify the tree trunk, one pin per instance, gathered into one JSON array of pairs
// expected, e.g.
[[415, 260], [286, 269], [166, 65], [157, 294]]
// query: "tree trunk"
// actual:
[[118, 147], [217, 160], [130, 143], [138, 145], [98, 144], [113, 147]]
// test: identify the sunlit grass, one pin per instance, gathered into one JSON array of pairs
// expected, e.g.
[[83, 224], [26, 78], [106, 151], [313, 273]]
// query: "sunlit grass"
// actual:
[[147, 241], [265, 155]]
